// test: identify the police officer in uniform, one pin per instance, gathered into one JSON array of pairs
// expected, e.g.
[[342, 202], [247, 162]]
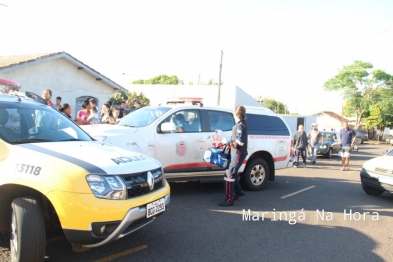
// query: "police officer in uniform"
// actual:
[[239, 152]]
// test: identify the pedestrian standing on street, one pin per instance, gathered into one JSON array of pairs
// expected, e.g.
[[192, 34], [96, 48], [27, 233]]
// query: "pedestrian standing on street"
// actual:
[[66, 109], [300, 146], [58, 102], [42, 118], [238, 153], [93, 103], [314, 135], [106, 115], [122, 109], [347, 137], [83, 115], [47, 96], [115, 114], [93, 118]]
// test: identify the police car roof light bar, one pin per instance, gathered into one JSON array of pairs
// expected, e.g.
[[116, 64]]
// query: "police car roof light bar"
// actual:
[[6, 86]]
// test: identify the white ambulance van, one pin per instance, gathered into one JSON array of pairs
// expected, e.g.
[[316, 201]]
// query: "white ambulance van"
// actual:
[[179, 135]]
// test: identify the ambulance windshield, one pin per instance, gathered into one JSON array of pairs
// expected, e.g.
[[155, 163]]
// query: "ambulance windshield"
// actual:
[[143, 116]]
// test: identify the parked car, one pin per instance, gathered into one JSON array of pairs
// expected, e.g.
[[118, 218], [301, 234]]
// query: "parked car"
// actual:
[[330, 146], [361, 136], [377, 174], [389, 140]]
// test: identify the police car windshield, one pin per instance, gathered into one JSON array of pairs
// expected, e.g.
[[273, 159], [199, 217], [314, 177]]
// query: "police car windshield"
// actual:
[[143, 116], [34, 123], [390, 153]]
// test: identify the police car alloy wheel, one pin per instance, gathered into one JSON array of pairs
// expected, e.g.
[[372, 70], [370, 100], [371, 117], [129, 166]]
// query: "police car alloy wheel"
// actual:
[[256, 174], [27, 239]]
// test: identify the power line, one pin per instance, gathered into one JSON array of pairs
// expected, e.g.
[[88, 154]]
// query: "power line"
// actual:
[[378, 33]]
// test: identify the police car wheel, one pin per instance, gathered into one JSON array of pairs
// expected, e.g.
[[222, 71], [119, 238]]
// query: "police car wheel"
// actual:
[[371, 191], [27, 240], [256, 174]]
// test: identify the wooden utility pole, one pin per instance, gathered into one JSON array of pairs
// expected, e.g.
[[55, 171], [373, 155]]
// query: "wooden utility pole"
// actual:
[[342, 114], [219, 80]]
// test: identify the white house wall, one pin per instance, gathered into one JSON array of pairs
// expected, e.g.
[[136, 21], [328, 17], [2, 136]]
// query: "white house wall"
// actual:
[[63, 79], [328, 123], [291, 120]]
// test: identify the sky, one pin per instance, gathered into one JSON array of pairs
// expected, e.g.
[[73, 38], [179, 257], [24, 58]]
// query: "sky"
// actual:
[[283, 49]]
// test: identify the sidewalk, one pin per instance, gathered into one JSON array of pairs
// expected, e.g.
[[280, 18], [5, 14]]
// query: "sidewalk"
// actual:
[[375, 142]]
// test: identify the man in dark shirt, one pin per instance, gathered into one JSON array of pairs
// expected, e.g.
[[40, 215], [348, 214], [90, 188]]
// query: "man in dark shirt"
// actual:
[[300, 145], [314, 135], [122, 112], [347, 136]]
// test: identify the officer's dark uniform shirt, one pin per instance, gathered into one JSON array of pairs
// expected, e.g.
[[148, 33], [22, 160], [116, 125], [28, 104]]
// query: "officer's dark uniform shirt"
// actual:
[[240, 136]]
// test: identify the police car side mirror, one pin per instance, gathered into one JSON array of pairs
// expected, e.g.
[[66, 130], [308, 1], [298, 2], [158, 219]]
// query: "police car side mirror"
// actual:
[[35, 97], [168, 127]]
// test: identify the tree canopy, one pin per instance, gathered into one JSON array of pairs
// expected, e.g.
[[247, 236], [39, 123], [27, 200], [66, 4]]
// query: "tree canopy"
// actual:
[[274, 105], [366, 92], [130, 98], [160, 80]]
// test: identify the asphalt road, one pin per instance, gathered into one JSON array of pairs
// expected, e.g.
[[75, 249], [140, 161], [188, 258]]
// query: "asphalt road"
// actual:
[[318, 202]]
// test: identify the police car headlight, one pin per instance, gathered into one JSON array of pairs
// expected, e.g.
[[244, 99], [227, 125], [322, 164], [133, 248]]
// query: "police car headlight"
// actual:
[[100, 138], [108, 187]]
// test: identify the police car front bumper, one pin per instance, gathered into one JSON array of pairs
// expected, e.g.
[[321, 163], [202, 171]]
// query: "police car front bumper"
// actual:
[[134, 219]]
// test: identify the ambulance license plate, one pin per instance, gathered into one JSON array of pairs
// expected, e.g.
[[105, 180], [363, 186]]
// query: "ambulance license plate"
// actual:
[[155, 207], [386, 179]]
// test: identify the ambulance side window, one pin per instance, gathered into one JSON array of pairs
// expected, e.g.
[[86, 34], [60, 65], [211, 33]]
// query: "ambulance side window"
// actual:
[[186, 121], [220, 121], [266, 125]]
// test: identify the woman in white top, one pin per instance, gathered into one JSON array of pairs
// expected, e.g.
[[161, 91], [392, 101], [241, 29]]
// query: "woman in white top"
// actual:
[[106, 116]]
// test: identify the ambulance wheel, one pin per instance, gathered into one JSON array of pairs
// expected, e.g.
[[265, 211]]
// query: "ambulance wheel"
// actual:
[[256, 174], [27, 240]]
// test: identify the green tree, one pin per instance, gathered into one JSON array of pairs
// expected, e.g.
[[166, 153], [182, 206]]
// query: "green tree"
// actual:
[[160, 80], [139, 82], [381, 111], [119, 96], [274, 105], [358, 84], [211, 83], [140, 98], [130, 97]]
